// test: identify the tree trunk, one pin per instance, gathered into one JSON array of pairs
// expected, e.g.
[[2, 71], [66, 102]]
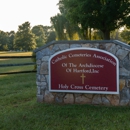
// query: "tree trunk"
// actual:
[[89, 33], [85, 34], [106, 35]]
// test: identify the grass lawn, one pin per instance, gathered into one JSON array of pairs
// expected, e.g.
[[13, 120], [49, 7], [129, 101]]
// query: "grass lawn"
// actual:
[[19, 110]]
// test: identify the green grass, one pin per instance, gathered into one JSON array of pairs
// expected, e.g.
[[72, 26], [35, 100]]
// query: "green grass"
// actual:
[[19, 110]]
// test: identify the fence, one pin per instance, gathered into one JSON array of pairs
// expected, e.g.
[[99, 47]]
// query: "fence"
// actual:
[[20, 64]]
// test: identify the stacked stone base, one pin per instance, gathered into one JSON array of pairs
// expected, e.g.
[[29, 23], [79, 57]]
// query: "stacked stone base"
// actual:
[[121, 99], [96, 99]]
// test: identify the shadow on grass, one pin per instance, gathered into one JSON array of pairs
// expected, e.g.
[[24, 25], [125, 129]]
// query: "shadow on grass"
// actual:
[[41, 116]]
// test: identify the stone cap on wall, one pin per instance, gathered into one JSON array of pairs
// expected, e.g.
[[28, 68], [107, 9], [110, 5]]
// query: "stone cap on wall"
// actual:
[[83, 42]]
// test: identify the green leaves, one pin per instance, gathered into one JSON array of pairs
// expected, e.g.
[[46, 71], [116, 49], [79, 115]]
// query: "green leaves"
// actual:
[[40, 35], [104, 15], [125, 35], [24, 38], [4, 40]]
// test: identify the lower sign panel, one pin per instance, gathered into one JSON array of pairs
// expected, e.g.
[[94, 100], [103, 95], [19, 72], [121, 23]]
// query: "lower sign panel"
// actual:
[[82, 70]]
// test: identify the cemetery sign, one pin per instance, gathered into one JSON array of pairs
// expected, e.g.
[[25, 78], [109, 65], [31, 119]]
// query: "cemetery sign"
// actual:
[[84, 70]]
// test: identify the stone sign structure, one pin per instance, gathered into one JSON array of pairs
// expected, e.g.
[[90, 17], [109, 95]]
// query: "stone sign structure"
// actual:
[[53, 59]]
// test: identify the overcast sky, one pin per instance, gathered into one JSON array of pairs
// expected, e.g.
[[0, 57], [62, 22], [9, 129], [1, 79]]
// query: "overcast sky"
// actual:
[[15, 12]]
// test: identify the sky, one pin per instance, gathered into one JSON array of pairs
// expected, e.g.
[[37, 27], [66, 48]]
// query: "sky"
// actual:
[[16, 12]]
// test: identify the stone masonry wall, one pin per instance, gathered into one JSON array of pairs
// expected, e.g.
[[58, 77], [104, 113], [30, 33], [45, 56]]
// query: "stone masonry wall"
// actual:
[[119, 49]]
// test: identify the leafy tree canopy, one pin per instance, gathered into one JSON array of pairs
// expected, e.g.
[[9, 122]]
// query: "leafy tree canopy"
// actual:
[[4, 41], [24, 38], [58, 22], [48, 30], [40, 35], [64, 29], [51, 37], [43, 34], [11, 36], [104, 15], [125, 35]]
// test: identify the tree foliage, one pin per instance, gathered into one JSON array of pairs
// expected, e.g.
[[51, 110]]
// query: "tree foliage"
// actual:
[[40, 35], [125, 35], [104, 15], [58, 22], [4, 41], [43, 34], [11, 36], [97, 35], [51, 37], [115, 35], [49, 31], [64, 29], [24, 38]]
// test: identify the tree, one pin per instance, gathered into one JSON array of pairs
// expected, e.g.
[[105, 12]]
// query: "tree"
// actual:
[[24, 38], [58, 22], [11, 36], [40, 35], [47, 32], [73, 31], [51, 37], [125, 35], [104, 15], [115, 35], [97, 35], [64, 29], [128, 21], [4, 41]]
